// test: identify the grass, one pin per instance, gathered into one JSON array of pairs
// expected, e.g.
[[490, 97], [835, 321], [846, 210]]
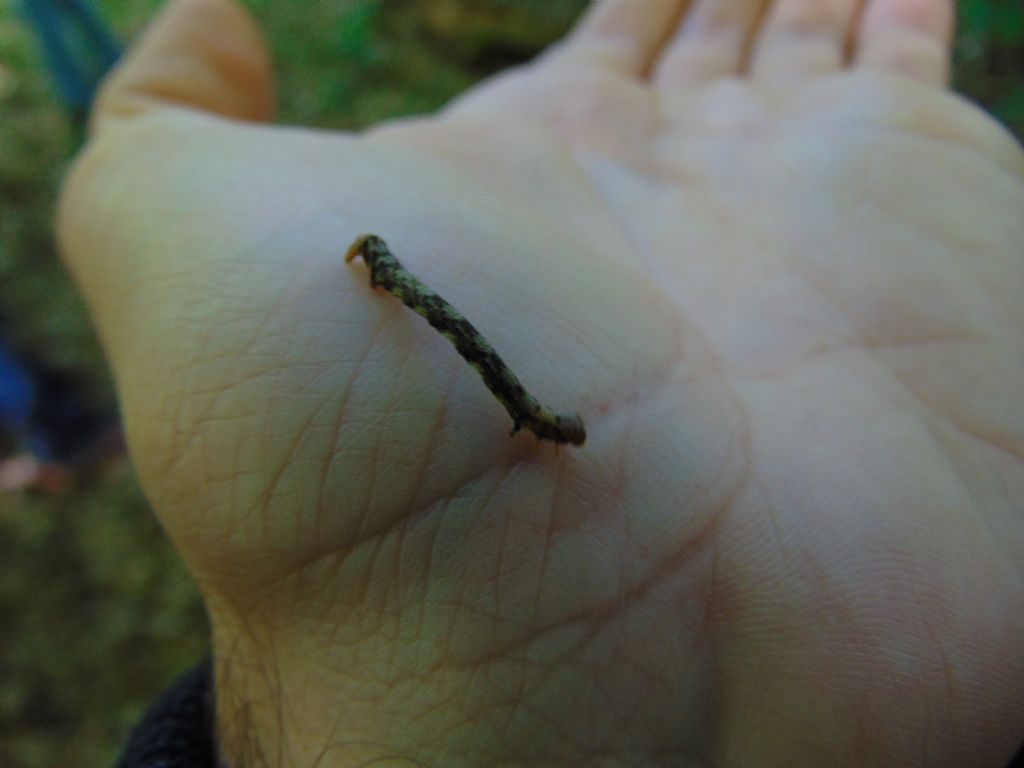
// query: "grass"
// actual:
[[103, 613]]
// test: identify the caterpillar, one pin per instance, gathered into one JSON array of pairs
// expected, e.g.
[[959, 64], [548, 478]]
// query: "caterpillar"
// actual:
[[526, 411]]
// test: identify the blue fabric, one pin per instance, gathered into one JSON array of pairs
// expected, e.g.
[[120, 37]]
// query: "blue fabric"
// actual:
[[79, 48], [17, 393], [19, 398]]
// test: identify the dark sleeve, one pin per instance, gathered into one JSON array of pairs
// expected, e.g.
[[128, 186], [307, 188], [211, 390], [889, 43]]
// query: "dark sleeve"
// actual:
[[177, 731], [1018, 760]]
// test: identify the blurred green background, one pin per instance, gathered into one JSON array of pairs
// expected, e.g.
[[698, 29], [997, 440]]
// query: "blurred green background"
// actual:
[[96, 614]]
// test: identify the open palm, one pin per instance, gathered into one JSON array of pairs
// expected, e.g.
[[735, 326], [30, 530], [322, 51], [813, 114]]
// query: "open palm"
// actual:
[[786, 304]]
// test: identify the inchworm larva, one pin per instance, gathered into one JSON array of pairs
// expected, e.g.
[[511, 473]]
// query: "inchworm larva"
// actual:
[[526, 412]]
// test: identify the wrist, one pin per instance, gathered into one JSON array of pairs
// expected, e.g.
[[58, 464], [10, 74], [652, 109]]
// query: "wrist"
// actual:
[[389, 700], [285, 702]]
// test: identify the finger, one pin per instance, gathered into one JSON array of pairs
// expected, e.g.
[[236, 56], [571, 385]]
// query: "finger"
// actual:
[[201, 54], [623, 35], [908, 37], [802, 39], [710, 43]]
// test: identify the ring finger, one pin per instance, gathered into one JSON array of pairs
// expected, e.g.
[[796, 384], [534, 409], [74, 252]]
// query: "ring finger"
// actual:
[[710, 43], [804, 38]]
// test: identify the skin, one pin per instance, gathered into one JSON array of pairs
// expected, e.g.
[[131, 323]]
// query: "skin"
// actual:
[[764, 250]]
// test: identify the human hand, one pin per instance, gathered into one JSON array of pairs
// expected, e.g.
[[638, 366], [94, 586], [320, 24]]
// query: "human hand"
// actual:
[[781, 288]]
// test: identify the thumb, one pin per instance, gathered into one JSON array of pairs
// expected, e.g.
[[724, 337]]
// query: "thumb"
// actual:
[[207, 55]]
